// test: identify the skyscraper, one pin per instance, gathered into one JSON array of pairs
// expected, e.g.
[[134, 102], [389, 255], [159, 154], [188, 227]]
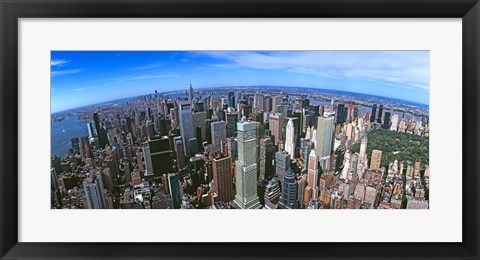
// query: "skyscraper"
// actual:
[[193, 143], [282, 163], [289, 189], [394, 125], [232, 119], [312, 177], [198, 136], [305, 101], [147, 157], [350, 112], [339, 113], [208, 130], [376, 160], [311, 191], [231, 150], [290, 139], [191, 93], [219, 133], [93, 187], [238, 96], [161, 156], [129, 122], [223, 178], [296, 127], [231, 99], [267, 104], [275, 127], [246, 168], [363, 147], [150, 129], [307, 148], [91, 130], [324, 136], [198, 120], [161, 124], [266, 157], [301, 185], [386, 121], [258, 102], [186, 126], [174, 189], [350, 131], [199, 106], [373, 116], [380, 114], [53, 179], [96, 120], [180, 154], [276, 101], [246, 110], [107, 178], [101, 132]]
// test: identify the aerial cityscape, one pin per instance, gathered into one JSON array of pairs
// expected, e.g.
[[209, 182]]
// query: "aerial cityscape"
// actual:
[[263, 130]]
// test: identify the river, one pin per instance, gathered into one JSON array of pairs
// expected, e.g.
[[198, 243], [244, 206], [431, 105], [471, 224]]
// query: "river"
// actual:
[[62, 132]]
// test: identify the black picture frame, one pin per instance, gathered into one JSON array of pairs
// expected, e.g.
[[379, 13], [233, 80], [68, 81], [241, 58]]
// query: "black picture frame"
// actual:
[[11, 11]]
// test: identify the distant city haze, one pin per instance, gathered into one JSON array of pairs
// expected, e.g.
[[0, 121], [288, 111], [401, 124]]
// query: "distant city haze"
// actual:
[[80, 78]]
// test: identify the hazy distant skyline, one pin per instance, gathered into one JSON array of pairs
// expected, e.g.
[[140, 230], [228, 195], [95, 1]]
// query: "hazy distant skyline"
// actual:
[[80, 78]]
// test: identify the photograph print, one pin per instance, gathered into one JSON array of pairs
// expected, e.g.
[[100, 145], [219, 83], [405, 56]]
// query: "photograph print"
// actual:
[[240, 129]]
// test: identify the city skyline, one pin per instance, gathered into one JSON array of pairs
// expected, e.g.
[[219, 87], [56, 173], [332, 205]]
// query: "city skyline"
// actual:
[[82, 78], [262, 147]]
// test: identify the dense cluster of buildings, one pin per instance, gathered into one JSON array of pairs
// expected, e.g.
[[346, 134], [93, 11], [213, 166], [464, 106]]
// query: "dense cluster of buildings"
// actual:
[[236, 149]]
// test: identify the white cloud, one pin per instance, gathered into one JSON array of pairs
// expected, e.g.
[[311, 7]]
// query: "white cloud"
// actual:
[[65, 72], [148, 66], [408, 69], [58, 62], [85, 88]]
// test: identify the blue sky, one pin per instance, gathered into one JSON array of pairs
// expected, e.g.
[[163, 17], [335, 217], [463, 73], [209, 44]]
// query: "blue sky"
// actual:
[[81, 78]]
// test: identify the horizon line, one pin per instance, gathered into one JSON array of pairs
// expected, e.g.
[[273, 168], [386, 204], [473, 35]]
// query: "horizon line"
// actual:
[[246, 86]]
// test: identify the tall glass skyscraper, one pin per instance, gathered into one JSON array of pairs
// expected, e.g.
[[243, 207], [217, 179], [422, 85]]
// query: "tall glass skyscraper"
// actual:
[[289, 190], [325, 127], [186, 126], [380, 114], [246, 166], [174, 188], [93, 187], [373, 116]]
